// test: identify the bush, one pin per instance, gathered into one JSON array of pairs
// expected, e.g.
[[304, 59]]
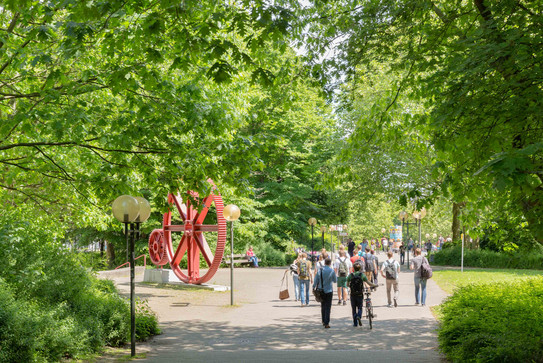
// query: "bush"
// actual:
[[489, 259], [51, 308], [146, 321], [270, 256], [494, 322]]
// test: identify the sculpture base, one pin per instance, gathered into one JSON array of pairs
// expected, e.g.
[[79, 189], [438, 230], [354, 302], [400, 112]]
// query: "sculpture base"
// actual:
[[166, 276]]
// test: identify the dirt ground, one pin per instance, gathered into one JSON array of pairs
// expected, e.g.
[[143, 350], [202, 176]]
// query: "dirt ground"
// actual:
[[202, 326]]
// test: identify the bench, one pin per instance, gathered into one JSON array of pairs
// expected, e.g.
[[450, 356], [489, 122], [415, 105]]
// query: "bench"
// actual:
[[238, 258]]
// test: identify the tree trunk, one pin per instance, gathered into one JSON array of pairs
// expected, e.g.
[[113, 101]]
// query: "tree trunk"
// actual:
[[101, 248], [110, 254], [456, 230]]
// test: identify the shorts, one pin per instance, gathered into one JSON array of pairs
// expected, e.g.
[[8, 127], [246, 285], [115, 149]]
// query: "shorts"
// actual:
[[342, 281]]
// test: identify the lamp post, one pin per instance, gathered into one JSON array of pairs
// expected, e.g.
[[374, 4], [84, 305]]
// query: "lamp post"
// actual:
[[132, 211], [418, 215], [231, 213], [331, 229], [312, 221], [404, 216], [323, 229]]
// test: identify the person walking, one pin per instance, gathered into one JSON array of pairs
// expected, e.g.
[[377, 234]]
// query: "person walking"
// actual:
[[350, 247], [370, 264], [391, 271], [420, 283], [320, 264], [342, 268], [402, 253], [325, 279], [304, 277], [295, 279], [376, 271], [385, 245], [356, 281]]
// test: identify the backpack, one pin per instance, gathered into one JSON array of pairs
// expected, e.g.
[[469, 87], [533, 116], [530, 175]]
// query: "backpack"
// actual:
[[294, 268], [343, 269], [357, 285], [369, 262], [390, 271], [425, 269], [303, 269], [362, 263]]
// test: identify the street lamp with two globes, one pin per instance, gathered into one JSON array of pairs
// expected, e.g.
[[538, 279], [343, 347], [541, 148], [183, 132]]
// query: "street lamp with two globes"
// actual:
[[132, 211]]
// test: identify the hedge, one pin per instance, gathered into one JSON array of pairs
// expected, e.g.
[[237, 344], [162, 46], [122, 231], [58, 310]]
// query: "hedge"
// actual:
[[488, 259], [494, 322]]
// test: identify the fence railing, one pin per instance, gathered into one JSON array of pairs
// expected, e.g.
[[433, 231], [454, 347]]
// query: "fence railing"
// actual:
[[128, 263]]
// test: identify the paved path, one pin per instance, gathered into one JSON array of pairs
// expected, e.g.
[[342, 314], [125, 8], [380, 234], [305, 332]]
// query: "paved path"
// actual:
[[201, 326]]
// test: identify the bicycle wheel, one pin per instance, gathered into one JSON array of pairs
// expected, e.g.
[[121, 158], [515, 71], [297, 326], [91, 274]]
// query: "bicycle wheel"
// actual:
[[370, 315]]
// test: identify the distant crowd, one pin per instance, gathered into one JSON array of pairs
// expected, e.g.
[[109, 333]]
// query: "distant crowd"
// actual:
[[352, 264]]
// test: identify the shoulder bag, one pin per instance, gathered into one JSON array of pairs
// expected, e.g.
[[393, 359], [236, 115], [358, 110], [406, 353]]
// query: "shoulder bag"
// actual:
[[283, 293], [319, 291]]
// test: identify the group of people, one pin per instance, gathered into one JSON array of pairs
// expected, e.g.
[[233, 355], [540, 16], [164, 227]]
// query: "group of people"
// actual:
[[352, 273]]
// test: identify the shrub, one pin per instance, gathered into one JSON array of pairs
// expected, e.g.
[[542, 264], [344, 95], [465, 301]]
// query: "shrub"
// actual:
[[490, 259], [146, 321], [51, 307], [494, 322], [270, 256]]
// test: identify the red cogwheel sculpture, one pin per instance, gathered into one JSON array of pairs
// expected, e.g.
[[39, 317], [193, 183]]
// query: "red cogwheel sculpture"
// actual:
[[193, 242]]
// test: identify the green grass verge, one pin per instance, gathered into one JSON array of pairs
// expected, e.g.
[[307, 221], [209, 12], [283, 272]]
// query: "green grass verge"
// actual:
[[449, 280]]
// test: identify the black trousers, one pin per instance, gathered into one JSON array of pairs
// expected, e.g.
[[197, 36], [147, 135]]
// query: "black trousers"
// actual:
[[356, 306], [326, 307]]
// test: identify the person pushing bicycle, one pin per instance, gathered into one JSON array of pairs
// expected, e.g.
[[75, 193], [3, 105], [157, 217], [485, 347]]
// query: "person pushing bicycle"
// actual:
[[356, 281]]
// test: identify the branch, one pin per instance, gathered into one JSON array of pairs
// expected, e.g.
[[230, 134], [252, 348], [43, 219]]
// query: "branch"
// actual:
[[11, 26], [483, 10], [68, 176], [31, 196], [8, 62]]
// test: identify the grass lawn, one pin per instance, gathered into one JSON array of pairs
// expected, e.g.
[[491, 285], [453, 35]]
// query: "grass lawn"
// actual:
[[448, 280]]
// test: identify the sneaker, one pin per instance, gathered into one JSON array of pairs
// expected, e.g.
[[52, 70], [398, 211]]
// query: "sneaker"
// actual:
[[359, 321], [423, 304], [389, 305], [339, 302], [395, 303], [416, 303], [344, 302], [326, 326]]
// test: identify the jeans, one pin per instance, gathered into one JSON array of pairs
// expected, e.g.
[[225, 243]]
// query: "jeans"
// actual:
[[402, 258], [304, 291], [254, 260], [296, 286], [326, 306], [418, 283], [356, 306]]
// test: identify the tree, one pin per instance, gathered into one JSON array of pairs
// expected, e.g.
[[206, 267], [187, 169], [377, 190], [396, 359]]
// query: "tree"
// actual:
[[474, 67], [104, 98]]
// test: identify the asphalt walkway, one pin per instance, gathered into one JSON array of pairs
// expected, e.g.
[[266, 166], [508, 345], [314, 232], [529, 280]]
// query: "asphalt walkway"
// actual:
[[201, 326]]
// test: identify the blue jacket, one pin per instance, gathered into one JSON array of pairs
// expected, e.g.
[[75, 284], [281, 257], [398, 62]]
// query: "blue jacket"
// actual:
[[328, 279]]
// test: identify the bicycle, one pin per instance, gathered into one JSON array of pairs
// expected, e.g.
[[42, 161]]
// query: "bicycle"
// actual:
[[369, 307]]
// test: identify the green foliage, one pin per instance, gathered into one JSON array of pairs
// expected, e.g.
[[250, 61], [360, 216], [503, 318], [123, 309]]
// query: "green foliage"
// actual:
[[146, 321], [494, 322], [269, 256], [439, 98], [54, 308], [490, 259]]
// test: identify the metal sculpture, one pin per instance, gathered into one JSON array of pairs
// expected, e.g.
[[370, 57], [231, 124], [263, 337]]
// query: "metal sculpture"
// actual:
[[193, 241]]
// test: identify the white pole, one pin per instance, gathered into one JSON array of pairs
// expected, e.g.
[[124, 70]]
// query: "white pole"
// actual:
[[462, 260]]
